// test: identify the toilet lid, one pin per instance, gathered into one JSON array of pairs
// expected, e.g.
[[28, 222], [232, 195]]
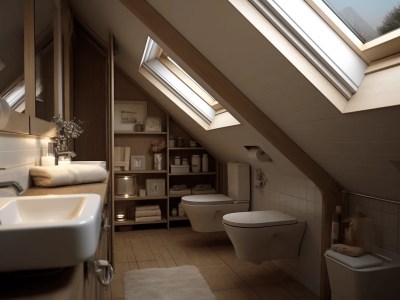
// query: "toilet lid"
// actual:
[[363, 261], [263, 218], [207, 199]]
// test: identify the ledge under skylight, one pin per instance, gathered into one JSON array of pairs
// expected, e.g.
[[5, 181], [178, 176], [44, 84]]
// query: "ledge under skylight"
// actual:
[[164, 73]]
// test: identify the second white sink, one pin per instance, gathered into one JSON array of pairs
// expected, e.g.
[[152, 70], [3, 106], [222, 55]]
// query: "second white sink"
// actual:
[[40, 232]]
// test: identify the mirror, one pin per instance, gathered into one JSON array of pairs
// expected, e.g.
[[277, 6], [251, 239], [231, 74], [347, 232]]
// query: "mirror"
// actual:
[[12, 82], [44, 60]]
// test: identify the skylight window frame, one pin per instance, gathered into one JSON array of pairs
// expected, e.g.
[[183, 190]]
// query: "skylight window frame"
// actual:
[[381, 47], [166, 75]]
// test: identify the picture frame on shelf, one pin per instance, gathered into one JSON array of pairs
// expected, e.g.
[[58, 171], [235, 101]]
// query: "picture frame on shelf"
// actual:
[[155, 187], [129, 113], [138, 162], [152, 124]]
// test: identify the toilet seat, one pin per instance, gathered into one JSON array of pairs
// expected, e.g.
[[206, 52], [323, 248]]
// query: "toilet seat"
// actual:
[[360, 262], [264, 218], [210, 199]]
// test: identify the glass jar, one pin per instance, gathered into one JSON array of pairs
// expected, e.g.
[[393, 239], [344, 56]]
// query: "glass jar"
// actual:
[[177, 160]]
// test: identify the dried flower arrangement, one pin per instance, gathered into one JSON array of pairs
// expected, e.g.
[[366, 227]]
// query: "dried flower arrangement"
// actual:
[[66, 131], [157, 146]]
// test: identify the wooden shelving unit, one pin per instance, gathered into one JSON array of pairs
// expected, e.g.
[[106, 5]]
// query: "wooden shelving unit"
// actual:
[[139, 143]]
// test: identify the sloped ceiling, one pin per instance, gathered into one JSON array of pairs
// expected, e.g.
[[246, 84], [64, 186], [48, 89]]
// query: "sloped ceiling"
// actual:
[[356, 149]]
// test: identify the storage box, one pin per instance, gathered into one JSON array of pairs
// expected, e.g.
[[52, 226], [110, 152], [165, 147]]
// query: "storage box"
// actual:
[[179, 169]]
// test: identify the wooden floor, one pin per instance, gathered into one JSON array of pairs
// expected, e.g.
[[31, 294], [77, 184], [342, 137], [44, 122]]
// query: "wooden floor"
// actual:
[[212, 254]]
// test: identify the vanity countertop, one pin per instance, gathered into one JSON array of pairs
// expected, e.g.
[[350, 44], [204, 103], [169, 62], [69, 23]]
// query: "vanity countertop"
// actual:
[[62, 284]]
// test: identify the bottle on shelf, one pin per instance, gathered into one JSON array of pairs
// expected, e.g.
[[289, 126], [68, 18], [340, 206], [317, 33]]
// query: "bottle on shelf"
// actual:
[[204, 163], [196, 163]]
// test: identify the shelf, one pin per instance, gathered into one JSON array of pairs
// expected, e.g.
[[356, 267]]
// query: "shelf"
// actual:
[[133, 222], [140, 172], [140, 133], [186, 148], [193, 174], [130, 198], [179, 218]]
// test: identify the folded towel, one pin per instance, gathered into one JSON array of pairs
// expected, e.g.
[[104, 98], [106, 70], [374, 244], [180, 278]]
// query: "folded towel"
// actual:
[[148, 219], [148, 213], [147, 207], [67, 175], [348, 250]]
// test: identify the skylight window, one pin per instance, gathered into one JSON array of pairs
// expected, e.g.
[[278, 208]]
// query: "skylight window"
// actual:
[[367, 19], [182, 89]]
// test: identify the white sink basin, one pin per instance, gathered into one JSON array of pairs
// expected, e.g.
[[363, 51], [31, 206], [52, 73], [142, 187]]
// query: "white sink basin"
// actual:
[[100, 163], [40, 232]]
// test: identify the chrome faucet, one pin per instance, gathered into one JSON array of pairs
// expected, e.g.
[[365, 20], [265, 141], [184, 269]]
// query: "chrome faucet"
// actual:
[[13, 184], [70, 153]]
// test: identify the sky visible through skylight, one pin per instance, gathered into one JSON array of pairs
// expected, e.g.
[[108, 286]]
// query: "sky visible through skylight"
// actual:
[[368, 19]]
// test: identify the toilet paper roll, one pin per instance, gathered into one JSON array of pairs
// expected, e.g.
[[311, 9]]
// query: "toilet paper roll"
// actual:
[[5, 112], [258, 154]]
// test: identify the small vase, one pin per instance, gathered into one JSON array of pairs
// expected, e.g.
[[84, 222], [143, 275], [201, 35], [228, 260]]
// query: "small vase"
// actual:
[[158, 161]]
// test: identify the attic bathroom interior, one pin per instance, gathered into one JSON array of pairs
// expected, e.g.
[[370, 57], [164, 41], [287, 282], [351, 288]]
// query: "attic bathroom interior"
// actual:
[[257, 141]]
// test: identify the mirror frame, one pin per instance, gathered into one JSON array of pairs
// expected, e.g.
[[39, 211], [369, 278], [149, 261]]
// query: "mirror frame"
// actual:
[[27, 123]]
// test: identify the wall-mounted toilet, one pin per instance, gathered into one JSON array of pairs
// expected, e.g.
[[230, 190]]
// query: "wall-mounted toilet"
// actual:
[[205, 211], [367, 277], [264, 235]]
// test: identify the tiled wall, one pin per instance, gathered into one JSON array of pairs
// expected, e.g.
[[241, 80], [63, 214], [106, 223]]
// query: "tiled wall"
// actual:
[[385, 217], [17, 154], [298, 197]]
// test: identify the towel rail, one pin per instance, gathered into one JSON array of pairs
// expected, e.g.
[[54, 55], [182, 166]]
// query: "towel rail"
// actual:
[[372, 197]]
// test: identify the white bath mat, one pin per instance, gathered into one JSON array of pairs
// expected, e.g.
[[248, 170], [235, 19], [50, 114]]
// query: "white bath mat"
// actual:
[[178, 283]]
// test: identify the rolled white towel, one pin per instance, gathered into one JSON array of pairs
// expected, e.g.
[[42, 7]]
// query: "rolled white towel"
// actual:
[[67, 175], [147, 207], [147, 213]]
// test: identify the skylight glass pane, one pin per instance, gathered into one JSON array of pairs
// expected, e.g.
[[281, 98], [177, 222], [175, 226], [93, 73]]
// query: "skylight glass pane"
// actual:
[[368, 19]]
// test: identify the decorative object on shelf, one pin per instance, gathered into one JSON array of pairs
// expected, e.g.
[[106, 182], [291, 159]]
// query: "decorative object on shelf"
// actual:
[[126, 185], [152, 124], [192, 144], [181, 211], [121, 158], [138, 127], [129, 113], [142, 193], [155, 187], [179, 190], [204, 163], [158, 160], [196, 161], [66, 132], [171, 141], [138, 162], [180, 142], [185, 161], [261, 180], [120, 216], [156, 148], [174, 212], [179, 169], [203, 189], [177, 160]]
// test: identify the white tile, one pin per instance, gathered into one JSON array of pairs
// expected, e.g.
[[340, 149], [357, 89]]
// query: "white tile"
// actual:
[[310, 208], [303, 205]]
